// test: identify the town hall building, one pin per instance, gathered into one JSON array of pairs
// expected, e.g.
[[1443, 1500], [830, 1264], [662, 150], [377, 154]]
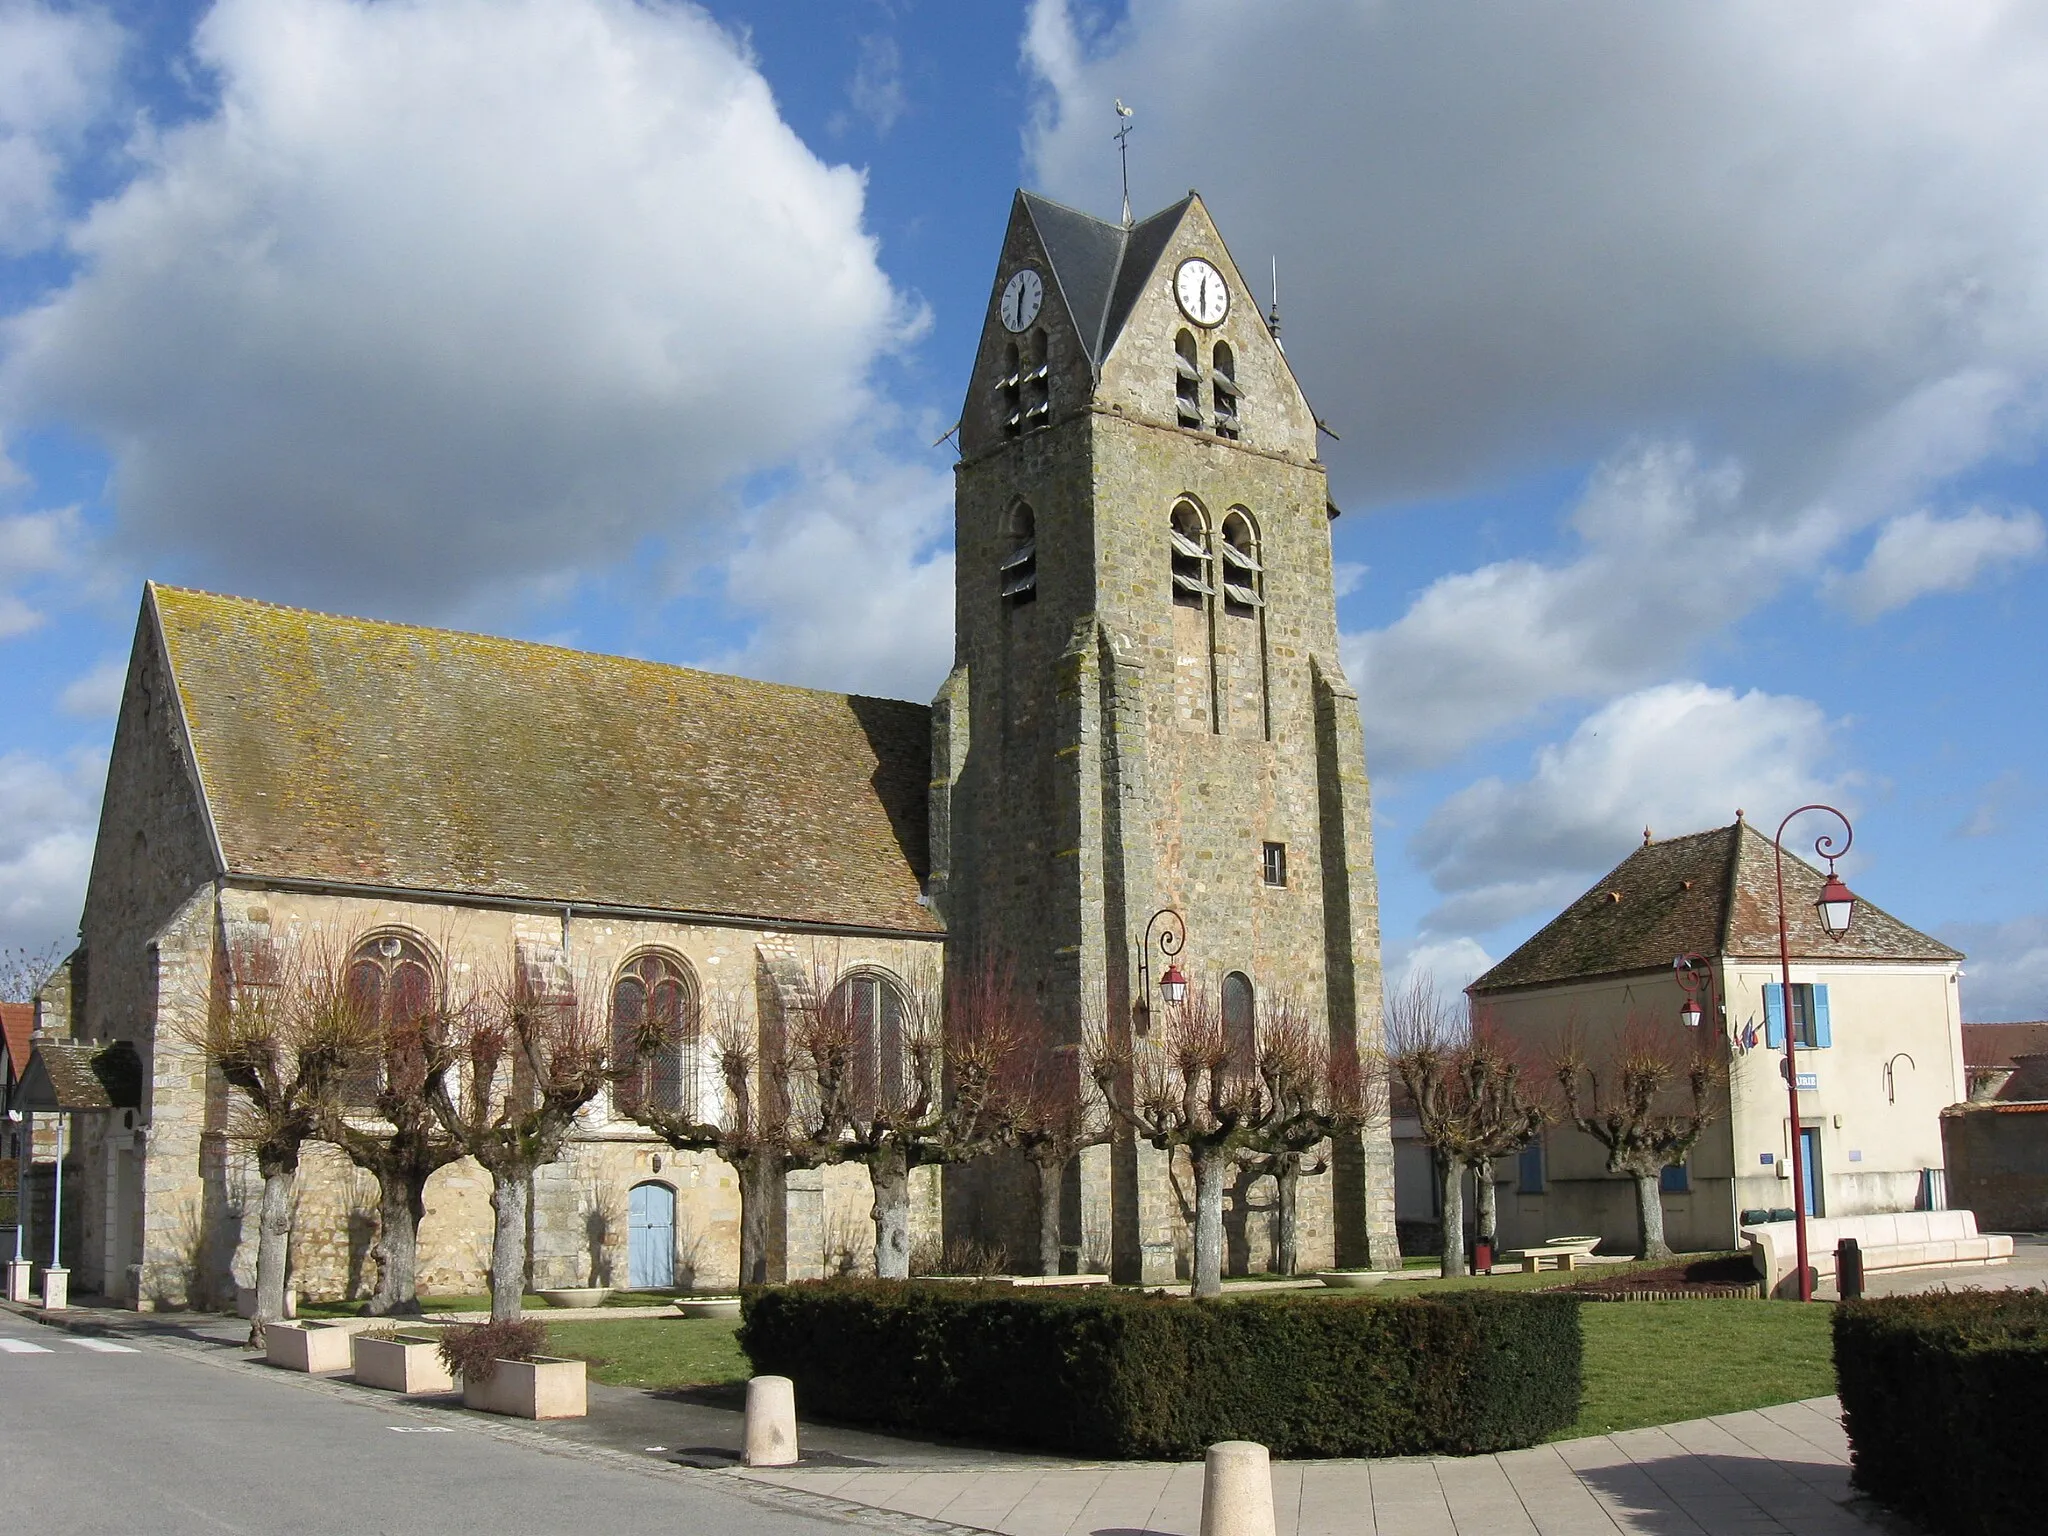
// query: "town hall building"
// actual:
[[1145, 716]]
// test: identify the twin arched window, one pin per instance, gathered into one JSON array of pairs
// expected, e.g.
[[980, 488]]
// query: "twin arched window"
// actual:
[[391, 981], [1243, 576], [1024, 392], [655, 1030], [1188, 378]]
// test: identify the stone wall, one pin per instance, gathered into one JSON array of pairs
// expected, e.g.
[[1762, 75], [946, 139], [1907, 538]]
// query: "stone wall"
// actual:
[[1997, 1157]]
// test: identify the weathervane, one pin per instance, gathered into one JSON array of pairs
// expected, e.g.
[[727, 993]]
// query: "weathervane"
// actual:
[[1123, 150]]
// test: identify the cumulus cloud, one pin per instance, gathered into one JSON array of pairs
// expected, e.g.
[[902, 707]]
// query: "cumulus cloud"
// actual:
[[456, 295], [1448, 965], [2006, 975], [47, 811], [33, 545], [1677, 757], [1921, 553], [56, 71], [97, 694], [850, 566]]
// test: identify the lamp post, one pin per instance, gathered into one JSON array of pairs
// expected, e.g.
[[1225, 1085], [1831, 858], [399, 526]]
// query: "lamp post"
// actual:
[[1173, 986], [1695, 974], [1837, 907]]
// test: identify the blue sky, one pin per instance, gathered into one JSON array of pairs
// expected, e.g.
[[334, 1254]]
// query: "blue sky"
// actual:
[[1688, 361]]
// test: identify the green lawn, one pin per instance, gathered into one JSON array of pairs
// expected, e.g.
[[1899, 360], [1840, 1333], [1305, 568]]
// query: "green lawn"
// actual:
[[661, 1352], [533, 1302], [1657, 1362]]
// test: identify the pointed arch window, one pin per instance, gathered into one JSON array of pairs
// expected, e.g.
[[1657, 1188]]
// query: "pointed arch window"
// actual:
[[1223, 390], [873, 1011], [1189, 536], [391, 981], [1187, 381], [1019, 573], [1240, 1034], [655, 1034], [1243, 575]]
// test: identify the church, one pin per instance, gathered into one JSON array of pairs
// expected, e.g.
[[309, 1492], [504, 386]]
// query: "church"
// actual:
[[1145, 731]]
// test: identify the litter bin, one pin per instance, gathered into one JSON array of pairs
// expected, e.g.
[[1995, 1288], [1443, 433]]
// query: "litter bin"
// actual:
[[1482, 1255], [1849, 1269]]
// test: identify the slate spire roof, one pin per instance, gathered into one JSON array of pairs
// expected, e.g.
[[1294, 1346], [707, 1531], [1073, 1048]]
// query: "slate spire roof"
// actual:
[[1708, 893], [1100, 267], [387, 755]]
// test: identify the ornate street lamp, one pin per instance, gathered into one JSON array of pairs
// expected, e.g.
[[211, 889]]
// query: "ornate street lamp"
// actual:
[[1173, 986], [1837, 908], [1695, 974]]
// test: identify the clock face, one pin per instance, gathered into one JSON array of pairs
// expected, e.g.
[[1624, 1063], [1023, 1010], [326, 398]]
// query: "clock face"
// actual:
[[1021, 298], [1204, 296]]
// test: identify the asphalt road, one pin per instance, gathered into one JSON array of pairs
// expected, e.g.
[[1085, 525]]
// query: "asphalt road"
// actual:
[[139, 1436]]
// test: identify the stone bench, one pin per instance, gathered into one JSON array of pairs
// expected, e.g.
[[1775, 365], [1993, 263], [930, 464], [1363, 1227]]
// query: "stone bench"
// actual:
[[1904, 1240], [1536, 1259]]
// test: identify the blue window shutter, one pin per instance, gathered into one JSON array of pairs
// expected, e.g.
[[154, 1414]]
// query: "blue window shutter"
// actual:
[[1774, 1016], [1821, 1038]]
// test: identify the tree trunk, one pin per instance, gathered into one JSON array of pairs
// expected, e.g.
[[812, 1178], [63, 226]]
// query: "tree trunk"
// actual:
[[760, 1177], [1650, 1218], [891, 1181], [1287, 1212], [1488, 1203], [1209, 1170], [508, 1244], [273, 1239], [401, 1206], [1451, 1175], [1049, 1175]]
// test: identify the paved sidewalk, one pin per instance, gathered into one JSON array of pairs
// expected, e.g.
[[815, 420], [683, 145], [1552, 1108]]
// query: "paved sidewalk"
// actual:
[[1771, 1471]]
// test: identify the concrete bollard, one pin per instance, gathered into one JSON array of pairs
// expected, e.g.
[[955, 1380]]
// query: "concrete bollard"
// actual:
[[771, 1423], [1237, 1490], [56, 1289]]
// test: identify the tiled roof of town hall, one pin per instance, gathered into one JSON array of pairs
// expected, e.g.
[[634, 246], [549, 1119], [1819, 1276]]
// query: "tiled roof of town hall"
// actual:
[[366, 753], [1708, 893]]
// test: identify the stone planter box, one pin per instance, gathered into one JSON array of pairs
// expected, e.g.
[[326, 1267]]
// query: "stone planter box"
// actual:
[[408, 1365], [1356, 1279], [545, 1388], [709, 1306], [311, 1347], [577, 1296]]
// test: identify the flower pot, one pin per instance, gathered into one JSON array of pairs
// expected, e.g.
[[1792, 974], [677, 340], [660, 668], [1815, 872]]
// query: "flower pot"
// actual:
[[1355, 1279], [402, 1365], [709, 1306], [577, 1296], [1577, 1244], [541, 1388], [311, 1347]]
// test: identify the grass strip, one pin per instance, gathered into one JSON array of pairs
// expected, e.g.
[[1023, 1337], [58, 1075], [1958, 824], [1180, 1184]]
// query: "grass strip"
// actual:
[[1661, 1362]]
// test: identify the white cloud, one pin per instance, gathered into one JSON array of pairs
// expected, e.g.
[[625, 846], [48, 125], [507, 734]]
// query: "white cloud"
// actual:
[[47, 812], [96, 695], [848, 570], [56, 70], [455, 296], [1921, 553], [32, 545], [876, 89], [1450, 964], [1678, 758], [2005, 978]]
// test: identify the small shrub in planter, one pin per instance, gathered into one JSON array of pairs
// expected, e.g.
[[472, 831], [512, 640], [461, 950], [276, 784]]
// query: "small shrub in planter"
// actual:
[[473, 1350], [1945, 1398], [1115, 1374]]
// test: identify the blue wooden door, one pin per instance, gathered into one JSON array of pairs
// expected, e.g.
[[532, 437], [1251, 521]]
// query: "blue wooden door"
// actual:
[[651, 1250], [1809, 1169]]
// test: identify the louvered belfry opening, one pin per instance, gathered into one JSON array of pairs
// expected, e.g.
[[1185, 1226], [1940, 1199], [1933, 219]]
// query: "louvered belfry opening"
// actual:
[[1189, 536], [1243, 576], [1019, 573]]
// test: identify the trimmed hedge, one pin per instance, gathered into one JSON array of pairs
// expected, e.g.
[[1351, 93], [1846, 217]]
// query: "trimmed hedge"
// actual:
[[1114, 1374], [1945, 1397]]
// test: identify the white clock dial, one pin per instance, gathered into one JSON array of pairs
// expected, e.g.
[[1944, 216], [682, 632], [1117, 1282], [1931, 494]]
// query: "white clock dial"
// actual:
[[1021, 298], [1204, 296]]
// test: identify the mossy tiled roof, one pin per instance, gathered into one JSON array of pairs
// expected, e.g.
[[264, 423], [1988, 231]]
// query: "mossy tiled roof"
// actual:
[[366, 753], [1708, 893]]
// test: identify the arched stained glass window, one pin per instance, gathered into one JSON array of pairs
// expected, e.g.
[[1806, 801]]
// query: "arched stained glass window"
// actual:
[[655, 1034], [1240, 1034], [874, 1008], [391, 980]]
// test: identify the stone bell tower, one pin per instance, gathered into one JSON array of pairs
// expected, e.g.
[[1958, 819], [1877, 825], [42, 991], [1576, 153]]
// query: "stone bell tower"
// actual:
[[1146, 708]]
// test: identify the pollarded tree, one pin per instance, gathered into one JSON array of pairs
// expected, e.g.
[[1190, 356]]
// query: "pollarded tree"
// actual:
[[1427, 1041], [509, 1067], [282, 1030], [386, 1123], [905, 1079], [1052, 1113], [1647, 1099], [1508, 1102]]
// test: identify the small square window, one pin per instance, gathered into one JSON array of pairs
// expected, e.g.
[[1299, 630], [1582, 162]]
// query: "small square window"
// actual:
[[1276, 863], [1675, 1180]]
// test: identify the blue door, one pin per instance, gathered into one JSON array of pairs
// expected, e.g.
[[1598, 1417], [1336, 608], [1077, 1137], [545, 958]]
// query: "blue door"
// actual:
[[1809, 1168], [651, 1249]]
